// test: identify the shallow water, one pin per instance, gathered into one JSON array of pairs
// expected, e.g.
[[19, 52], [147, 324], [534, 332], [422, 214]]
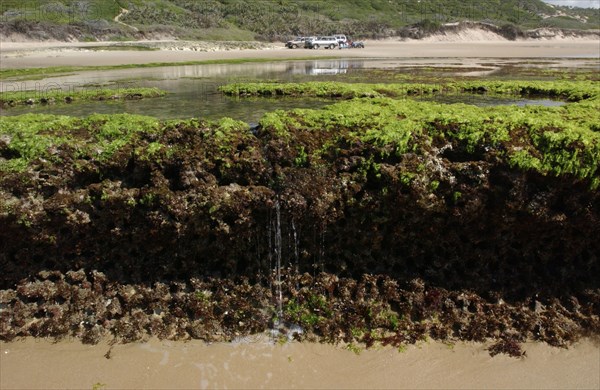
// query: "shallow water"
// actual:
[[487, 100], [199, 104], [193, 90], [260, 363]]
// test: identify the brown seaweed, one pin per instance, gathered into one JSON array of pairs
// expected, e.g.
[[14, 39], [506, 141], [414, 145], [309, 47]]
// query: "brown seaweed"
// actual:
[[373, 310]]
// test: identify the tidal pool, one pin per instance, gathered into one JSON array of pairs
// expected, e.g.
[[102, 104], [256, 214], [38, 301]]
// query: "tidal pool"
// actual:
[[482, 100], [193, 89]]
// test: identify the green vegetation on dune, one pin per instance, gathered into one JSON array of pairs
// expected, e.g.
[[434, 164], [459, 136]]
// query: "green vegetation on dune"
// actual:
[[60, 11], [270, 20], [9, 99], [122, 48]]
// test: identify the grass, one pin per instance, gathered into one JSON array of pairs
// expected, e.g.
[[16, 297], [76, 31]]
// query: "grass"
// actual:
[[121, 48], [270, 20], [60, 12], [9, 99]]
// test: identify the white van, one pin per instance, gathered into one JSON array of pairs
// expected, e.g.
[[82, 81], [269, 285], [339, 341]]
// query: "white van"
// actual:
[[326, 42], [341, 38]]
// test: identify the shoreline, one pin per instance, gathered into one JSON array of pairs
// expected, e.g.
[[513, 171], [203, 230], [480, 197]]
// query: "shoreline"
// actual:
[[46, 54], [259, 363]]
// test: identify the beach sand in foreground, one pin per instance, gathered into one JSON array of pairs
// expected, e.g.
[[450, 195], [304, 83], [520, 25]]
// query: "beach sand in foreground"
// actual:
[[258, 363]]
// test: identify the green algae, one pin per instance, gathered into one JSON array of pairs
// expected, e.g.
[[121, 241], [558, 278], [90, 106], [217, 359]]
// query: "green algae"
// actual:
[[99, 137], [567, 90], [554, 142], [549, 140], [10, 98]]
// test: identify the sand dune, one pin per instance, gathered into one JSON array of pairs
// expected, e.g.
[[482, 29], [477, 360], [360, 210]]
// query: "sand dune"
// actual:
[[466, 35]]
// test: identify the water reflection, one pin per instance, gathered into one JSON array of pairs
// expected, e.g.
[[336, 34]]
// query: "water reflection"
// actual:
[[193, 103], [480, 100], [331, 67], [220, 73], [193, 89]]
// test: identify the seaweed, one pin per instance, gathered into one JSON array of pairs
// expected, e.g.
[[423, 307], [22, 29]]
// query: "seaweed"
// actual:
[[508, 346], [436, 221], [359, 313], [10, 99]]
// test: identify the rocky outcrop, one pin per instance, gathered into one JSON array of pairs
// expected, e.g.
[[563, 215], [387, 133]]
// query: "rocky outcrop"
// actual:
[[376, 221], [371, 310], [197, 200]]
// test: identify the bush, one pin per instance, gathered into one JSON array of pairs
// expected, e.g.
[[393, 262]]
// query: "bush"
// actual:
[[511, 32]]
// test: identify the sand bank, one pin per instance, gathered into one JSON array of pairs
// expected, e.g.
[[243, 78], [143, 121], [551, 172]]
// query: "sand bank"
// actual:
[[258, 363], [30, 54]]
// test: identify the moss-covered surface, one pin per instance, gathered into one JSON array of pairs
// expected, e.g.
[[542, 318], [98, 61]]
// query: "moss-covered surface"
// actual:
[[568, 90], [544, 71], [498, 204], [552, 140], [11, 99]]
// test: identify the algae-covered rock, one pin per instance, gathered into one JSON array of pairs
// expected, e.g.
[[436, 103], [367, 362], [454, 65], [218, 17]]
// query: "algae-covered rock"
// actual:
[[501, 199]]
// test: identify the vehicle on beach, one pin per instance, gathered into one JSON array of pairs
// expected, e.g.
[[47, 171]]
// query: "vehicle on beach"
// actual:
[[349, 44], [297, 42], [326, 42], [341, 38]]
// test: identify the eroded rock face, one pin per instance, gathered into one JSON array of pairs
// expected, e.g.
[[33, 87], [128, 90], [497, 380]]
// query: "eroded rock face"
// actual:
[[204, 205], [373, 309]]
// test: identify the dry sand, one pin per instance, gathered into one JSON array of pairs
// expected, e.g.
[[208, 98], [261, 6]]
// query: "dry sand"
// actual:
[[36, 54], [258, 363]]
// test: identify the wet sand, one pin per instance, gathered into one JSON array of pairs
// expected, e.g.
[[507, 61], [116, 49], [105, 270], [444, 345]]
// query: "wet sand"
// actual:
[[29, 54], [258, 363]]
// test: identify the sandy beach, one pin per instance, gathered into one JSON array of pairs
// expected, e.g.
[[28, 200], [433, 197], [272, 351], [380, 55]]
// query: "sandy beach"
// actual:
[[258, 363], [43, 54]]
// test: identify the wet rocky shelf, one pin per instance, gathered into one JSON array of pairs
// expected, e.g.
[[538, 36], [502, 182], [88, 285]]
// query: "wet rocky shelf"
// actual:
[[499, 206], [374, 310], [10, 99]]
